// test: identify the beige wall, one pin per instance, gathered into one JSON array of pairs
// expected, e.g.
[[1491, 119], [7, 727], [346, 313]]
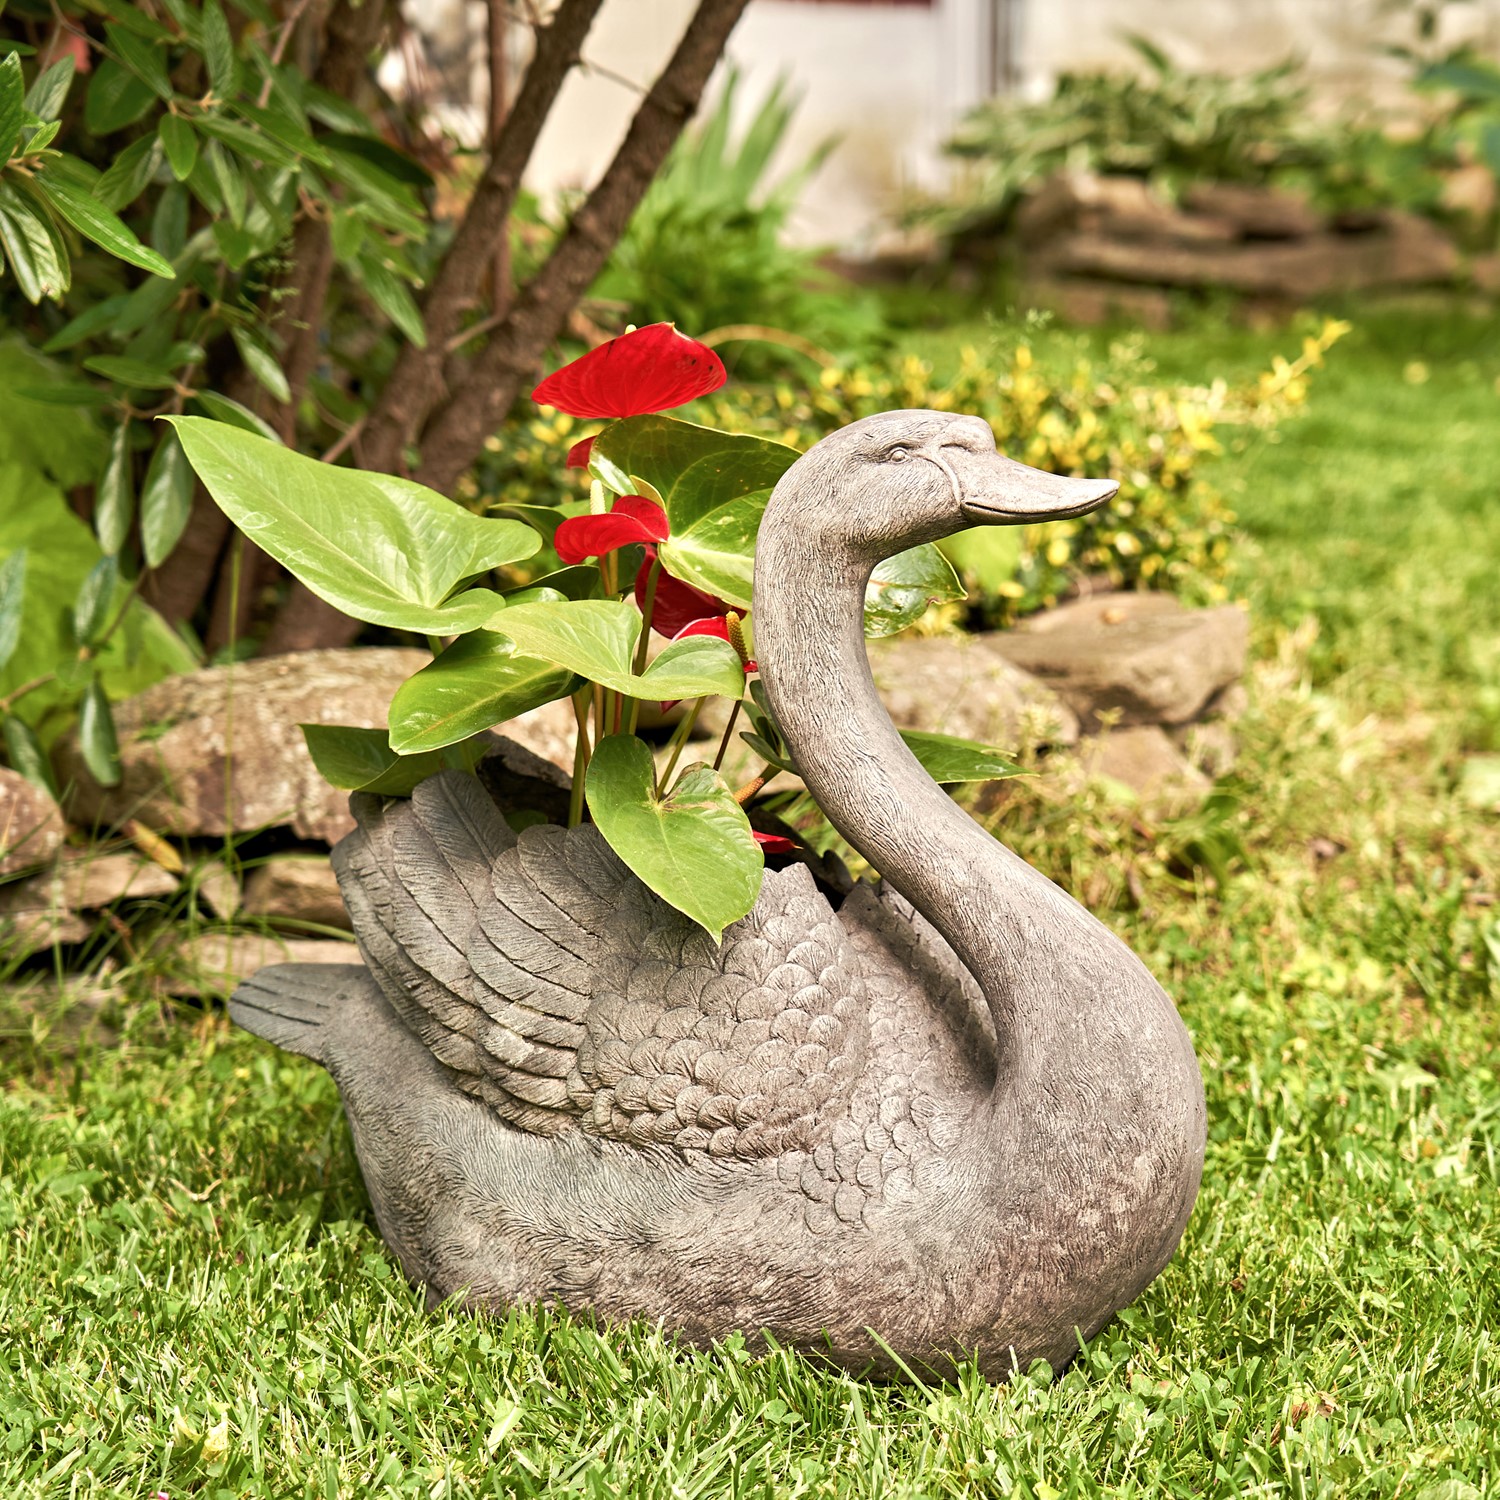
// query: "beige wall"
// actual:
[[891, 81]]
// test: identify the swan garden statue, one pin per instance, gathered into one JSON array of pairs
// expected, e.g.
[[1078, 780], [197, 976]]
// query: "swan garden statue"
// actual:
[[951, 1118]]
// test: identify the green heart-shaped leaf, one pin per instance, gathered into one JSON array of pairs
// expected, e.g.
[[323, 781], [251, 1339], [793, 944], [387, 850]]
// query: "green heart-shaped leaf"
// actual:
[[903, 586], [713, 485], [361, 760], [948, 759], [597, 638], [377, 547], [480, 680], [693, 847]]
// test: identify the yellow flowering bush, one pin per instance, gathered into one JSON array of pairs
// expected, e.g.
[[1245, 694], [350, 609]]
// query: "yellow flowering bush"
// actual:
[[1167, 529]]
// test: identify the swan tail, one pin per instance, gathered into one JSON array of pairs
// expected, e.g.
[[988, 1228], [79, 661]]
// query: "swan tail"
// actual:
[[293, 1005]]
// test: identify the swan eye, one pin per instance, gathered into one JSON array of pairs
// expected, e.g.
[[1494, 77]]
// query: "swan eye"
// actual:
[[897, 456]]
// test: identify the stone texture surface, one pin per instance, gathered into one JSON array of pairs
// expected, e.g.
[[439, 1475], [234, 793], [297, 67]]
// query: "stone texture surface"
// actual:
[[966, 685], [1261, 213], [547, 731], [1401, 251], [301, 886], [1144, 758], [179, 738], [215, 962], [42, 910], [1107, 607], [1142, 664], [31, 828]]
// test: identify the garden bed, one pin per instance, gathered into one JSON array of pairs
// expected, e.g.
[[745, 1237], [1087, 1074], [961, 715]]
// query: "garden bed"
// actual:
[[181, 1209]]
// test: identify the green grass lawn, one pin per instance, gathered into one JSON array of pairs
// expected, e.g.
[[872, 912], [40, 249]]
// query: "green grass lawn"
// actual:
[[193, 1298]]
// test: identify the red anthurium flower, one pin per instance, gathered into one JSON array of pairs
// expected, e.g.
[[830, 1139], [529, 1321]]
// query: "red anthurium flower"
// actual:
[[677, 603], [715, 625], [578, 454], [650, 369], [633, 518], [773, 843]]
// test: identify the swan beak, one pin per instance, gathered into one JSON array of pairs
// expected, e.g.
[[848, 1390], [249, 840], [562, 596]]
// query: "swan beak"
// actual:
[[997, 491]]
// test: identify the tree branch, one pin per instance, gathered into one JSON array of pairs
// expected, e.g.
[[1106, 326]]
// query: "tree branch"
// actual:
[[415, 383], [455, 434]]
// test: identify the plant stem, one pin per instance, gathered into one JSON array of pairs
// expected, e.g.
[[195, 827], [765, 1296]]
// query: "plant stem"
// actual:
[[734, 714], [88, 653], [648, 608], [580, 702], [16, 694], [678, 740]]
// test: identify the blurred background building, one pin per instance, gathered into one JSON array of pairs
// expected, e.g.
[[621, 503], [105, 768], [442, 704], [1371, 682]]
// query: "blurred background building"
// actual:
[[891, 78]]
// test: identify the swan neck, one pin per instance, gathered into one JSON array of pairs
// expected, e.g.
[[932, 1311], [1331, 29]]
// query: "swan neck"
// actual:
[[999, 915]]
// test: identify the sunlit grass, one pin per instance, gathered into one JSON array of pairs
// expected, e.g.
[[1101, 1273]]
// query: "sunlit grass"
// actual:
[[193, 1298]]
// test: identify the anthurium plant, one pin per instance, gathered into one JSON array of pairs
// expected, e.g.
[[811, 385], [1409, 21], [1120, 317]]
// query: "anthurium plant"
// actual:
[[663, 546]]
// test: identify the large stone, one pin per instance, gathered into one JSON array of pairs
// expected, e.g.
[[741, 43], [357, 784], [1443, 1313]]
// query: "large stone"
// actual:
[[1122, 207], [215, 962], [44, 910], [297, 886], [1114, 658], [1109, 607], [1144, 759], [219, 751], [31, 828], [965, 685], [1257, 213], [1401, 250]]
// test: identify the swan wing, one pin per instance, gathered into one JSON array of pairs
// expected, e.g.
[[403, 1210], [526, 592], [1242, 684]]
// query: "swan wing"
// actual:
[[567, 995], [922, 996]]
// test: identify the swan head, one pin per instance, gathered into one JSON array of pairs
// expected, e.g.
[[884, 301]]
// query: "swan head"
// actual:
[[895, 480]]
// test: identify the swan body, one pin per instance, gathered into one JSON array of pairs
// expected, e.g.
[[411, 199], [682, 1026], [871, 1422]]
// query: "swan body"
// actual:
[[952, 1118]]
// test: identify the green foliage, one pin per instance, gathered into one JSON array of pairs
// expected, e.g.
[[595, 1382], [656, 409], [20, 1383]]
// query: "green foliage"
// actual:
[[480, 680], [705, 248], [598, 639], [146, 217], [1071, 412], [74, 623], [1175, 126], [361, 760], [1172, 124], [1326, 1328], [378, 547], [693, 846]]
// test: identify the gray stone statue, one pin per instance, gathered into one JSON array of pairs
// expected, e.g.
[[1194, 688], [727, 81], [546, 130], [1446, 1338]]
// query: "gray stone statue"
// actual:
[[952, 1117]]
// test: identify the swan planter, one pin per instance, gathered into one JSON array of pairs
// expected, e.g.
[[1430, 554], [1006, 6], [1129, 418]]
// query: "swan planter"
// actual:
[[949, 1117]]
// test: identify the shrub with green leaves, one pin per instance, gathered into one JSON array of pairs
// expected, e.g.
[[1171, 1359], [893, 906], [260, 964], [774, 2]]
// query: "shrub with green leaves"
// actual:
[[1175, 126], [1171, 124], [202, 213], [1096, 416], [664, 543]]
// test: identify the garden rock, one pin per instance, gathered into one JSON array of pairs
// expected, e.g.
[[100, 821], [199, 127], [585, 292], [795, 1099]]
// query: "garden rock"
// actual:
[[31, 827], [1257, 213], [187, 740], [1402, 250], [1128, 663], [299, 886], [44, 910], [217, 961], [1144, 759], [968, 686]]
